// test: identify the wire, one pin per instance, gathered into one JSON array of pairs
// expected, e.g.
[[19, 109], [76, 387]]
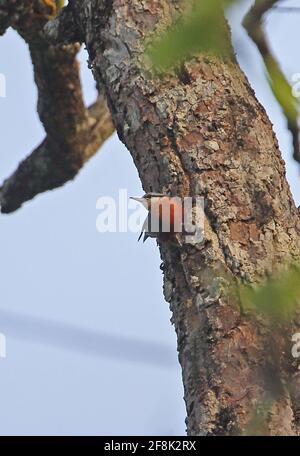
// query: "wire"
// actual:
[[66, 336]]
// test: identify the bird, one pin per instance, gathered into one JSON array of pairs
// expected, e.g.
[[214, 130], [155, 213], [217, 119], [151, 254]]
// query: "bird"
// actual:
[[165, 215]]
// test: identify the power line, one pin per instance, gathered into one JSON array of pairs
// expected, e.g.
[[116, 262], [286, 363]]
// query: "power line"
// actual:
[[66, 336]]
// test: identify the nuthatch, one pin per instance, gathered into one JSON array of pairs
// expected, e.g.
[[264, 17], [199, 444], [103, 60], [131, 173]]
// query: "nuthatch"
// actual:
[[165, 215]]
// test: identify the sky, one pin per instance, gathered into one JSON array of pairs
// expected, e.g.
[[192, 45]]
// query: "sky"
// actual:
[[89, 345]]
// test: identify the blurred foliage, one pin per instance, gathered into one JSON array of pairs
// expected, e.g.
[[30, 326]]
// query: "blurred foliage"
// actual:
[[282, 90], [257, 425], [253, 23], [277, 301], [59, 4], [201, 28], [277, 298]]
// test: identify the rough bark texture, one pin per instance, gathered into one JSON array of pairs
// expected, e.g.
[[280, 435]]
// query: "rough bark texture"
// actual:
[[200, 131]]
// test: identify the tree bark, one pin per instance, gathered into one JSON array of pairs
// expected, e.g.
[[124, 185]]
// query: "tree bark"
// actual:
[[199, 131]]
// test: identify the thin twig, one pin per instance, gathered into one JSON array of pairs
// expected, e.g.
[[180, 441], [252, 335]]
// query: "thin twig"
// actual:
[[253, 23]]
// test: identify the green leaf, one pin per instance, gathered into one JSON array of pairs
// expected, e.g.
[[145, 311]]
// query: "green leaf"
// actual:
[[60, 4], [201, 29], [277, 298], [282, 90]]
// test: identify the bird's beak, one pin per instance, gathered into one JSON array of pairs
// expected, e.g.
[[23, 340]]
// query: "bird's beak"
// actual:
[[143, 201], [139, 200]]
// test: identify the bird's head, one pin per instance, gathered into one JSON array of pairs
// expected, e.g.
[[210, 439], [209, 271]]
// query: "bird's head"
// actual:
[[148, 199]]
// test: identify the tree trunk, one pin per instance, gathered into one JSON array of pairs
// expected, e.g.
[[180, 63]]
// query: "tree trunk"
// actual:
[[200, 131]]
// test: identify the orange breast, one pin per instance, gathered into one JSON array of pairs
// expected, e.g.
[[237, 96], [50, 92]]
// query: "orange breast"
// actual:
[[168, 213]]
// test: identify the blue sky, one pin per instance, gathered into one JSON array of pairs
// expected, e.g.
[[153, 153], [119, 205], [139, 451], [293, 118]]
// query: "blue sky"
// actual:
[[90, 348]]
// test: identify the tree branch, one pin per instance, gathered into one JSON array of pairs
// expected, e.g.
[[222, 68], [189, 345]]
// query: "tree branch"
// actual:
[[63, 28], [73, 133], [53, 163], [199, 132], [253, 23], [4, 20], [205, 134]]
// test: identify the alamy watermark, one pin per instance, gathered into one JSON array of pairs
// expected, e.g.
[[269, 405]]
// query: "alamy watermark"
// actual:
[[296, 346], [153, 213], [2, 85], [2, 346], [296, 85]]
